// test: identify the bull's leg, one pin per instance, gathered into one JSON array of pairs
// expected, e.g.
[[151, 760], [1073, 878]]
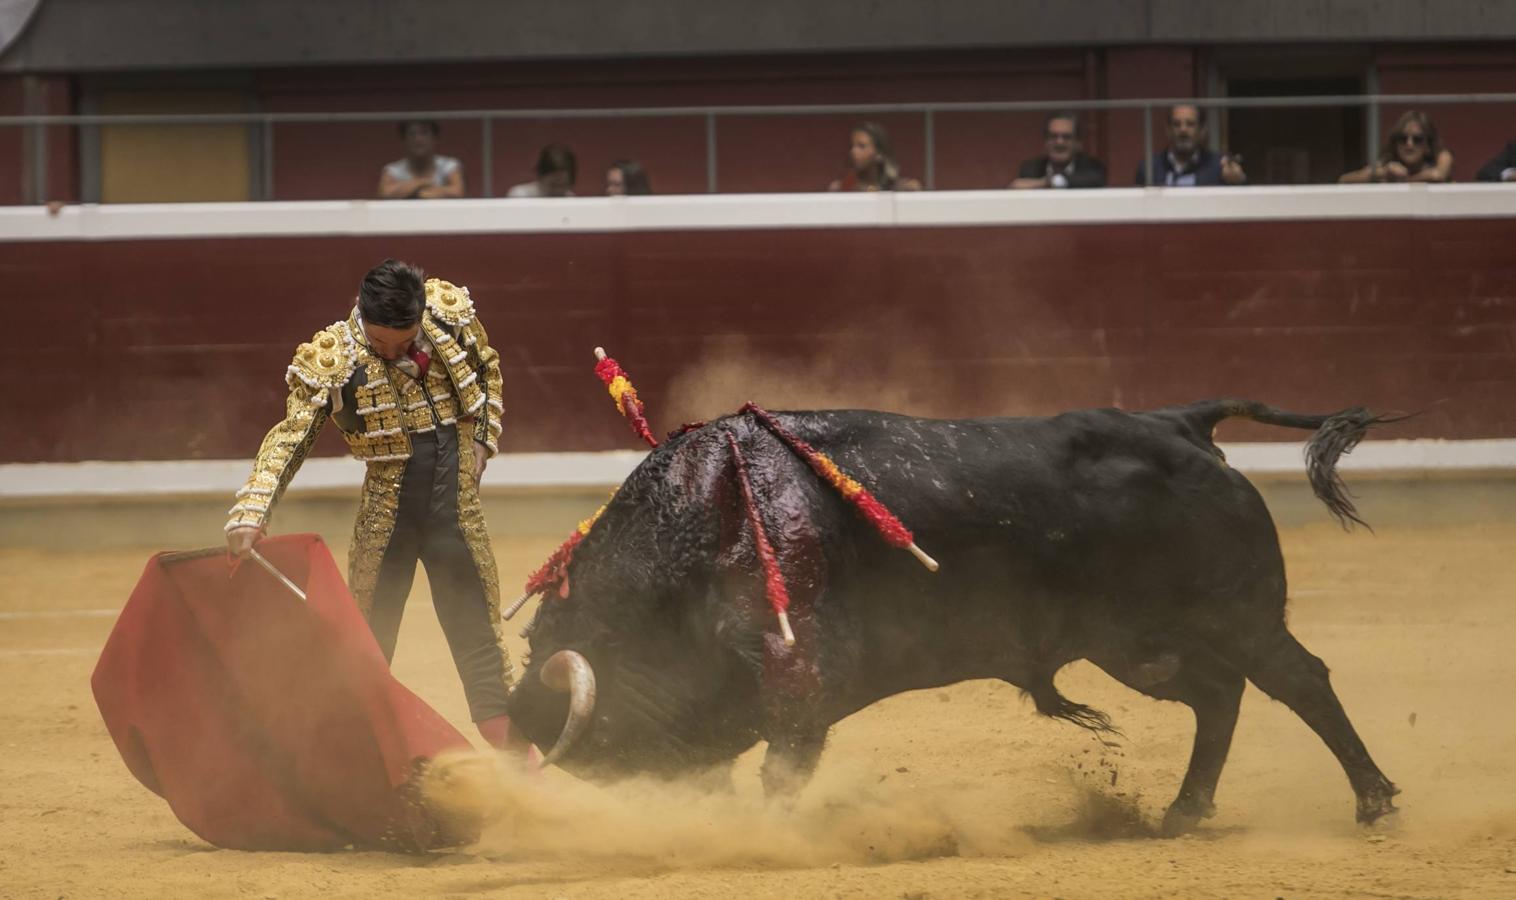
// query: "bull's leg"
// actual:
[[1214, 692], [1215, 695], [790, 761], [1290, 674]]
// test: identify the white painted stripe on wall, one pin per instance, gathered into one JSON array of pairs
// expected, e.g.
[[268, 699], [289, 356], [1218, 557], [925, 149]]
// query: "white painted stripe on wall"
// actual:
[[16, 615], [223, 476], [549, 471], [128, 221], [1424, 455]]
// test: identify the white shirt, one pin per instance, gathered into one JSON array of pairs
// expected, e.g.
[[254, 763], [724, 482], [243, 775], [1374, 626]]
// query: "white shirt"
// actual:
[[528, 189], [443, 168]]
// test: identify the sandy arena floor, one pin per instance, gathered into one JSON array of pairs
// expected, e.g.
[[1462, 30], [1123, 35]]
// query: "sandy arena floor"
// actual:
[[954, 793]]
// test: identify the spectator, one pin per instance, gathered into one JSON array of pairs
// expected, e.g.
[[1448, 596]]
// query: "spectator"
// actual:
[[627, 178], [557, 170], [1188, 162], [1410, 153], [1063, 166], [423, 174], [1502, 167], [871, 164]]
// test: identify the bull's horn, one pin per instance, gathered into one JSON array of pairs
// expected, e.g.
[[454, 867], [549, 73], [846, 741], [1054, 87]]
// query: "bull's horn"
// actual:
[[569, 671]]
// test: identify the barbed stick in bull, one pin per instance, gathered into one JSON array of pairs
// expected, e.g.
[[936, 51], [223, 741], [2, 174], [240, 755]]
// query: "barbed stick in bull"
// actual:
[[773, 578], [554, 572], [885, 522], [624, 395]]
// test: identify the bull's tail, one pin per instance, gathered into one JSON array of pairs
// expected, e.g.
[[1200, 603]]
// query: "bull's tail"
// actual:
[[1336, 434]]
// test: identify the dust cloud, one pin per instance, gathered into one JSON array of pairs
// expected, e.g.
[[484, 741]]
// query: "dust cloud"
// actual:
[[732, 371], [838, 818], [896, 365]]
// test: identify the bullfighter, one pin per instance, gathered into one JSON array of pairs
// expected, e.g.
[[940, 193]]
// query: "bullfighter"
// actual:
[[408, 377]]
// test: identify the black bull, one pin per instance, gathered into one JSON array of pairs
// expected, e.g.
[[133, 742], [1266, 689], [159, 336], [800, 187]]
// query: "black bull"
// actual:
[[1121, 538]]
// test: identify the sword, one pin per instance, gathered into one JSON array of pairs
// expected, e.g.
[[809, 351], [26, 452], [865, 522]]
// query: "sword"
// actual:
[[261, 560]]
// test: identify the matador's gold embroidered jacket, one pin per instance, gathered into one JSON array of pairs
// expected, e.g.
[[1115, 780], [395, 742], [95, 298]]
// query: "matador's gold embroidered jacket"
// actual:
[[336, 376]]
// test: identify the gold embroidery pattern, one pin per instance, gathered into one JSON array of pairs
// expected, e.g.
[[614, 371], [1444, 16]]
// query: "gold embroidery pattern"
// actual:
[[449, 303], [377, 509], [325, 361], [487, 418], [416, 412], [283, 449], [476, 535], [382, 437]]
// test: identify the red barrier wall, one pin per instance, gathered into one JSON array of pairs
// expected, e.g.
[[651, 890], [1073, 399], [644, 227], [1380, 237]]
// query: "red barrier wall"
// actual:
[[169, 349]]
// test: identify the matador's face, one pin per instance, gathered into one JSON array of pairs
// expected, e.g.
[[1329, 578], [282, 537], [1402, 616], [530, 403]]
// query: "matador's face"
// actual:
[[390, 343]]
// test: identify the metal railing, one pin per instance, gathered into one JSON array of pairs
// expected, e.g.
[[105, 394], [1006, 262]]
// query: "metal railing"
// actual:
[[38, 124]]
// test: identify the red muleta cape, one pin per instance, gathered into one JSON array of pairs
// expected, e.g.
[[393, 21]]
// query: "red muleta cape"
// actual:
[[267, 723]]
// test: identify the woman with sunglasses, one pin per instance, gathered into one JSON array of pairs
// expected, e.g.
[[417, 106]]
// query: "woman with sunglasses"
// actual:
[[1410, 153]]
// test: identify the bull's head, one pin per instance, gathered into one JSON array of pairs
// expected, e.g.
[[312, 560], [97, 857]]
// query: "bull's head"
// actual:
[[646, 665]]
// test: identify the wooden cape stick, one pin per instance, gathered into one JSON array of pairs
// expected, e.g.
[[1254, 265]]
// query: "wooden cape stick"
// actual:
[[273, 570]]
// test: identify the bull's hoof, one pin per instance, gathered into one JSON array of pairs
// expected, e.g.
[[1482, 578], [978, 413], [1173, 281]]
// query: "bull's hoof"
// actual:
[[1376, 808], [1387, 823], [1182, 818]]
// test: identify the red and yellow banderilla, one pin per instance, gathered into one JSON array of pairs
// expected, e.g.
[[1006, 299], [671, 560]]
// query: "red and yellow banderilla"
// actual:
[[623, 395], [875, 513]]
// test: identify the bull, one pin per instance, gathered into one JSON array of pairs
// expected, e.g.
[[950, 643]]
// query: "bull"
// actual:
[[1122, 538]]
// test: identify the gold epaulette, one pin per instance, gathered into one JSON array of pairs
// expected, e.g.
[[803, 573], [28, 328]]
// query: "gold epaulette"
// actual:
[[450, 304], [325, 361]]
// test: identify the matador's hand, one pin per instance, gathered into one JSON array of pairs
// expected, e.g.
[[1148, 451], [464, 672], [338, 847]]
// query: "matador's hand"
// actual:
[[240, 540], [481, 459]]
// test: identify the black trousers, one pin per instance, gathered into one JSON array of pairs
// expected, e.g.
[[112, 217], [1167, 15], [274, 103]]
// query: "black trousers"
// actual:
[[426, 529]]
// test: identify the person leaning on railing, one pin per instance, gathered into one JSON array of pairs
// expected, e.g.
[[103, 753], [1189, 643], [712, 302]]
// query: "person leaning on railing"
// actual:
[[1187, 161], [1502, 167], [423, 174], [557, 169], [1063, 166], [1411, 152], [871, 164], [627, 178]]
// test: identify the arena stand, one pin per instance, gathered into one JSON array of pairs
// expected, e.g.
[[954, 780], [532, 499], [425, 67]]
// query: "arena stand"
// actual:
[[156, 335]]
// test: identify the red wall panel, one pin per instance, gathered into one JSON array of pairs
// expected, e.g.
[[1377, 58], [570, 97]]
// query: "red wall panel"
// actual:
[[11, 142], [49, 95], [163, 349]]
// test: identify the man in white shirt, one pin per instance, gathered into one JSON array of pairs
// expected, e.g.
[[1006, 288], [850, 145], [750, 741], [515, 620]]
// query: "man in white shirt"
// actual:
[[422, 174]]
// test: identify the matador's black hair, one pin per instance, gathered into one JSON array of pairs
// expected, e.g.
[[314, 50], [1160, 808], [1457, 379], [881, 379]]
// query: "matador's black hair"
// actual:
[[393, 294]]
